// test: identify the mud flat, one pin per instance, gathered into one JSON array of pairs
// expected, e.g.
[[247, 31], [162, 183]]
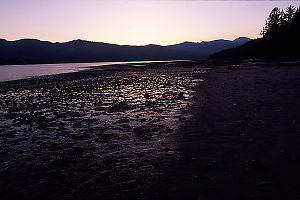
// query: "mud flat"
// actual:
[[92, 134], [184, 130]]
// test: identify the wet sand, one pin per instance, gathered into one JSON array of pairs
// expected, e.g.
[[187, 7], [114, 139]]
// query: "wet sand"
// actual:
[[193, 130], [243, 139]]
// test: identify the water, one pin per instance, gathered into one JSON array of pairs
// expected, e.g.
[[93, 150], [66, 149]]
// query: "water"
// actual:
[[16, 72]]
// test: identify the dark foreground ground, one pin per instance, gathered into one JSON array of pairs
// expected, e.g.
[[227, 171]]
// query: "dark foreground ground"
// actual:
[[156, 131], [243, 141]]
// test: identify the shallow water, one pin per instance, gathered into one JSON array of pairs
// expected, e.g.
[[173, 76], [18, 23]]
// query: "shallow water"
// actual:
[[92, 132], [16, 72]]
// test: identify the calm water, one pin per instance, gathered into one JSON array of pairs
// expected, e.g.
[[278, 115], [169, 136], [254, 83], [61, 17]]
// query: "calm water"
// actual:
[[15, 72]]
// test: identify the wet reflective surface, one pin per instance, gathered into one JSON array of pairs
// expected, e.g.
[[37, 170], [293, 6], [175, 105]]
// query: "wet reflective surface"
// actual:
[[16, 72], [94, 135]]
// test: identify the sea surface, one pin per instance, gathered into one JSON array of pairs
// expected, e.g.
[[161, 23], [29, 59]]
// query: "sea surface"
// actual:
[[16, 72]]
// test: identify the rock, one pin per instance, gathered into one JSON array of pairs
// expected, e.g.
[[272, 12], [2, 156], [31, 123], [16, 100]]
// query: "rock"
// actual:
[[180, 94]]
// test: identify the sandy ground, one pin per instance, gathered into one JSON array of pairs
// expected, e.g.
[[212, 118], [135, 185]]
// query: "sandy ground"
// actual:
[[157, 131], [243, 139]]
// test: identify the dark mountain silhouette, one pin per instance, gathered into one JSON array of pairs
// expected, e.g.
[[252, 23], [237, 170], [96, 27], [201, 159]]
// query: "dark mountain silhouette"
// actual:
[[280, 39], [241, 40], [31, 51], [194, 50]]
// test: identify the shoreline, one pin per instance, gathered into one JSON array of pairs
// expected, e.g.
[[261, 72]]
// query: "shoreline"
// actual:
[[45, 70]]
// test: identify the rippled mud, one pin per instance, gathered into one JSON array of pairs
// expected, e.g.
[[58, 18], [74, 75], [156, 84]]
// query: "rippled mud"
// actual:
[[95, 137]]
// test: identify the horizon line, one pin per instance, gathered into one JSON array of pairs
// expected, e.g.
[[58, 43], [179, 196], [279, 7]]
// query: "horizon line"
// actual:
[[41, 40]]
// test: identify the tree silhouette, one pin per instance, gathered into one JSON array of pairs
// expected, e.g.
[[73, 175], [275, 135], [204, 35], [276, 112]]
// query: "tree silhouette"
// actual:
[[281, 22], [273, 22], [290, 13], [280, 38]]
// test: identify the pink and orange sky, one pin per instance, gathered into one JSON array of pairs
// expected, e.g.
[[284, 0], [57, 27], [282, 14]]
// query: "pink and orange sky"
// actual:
[[134, 22]]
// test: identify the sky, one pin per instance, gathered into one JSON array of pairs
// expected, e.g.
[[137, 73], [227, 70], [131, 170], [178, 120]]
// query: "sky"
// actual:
[[134, 22]]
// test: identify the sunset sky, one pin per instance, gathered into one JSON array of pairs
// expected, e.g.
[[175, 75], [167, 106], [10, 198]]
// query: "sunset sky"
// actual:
[[134, 22]]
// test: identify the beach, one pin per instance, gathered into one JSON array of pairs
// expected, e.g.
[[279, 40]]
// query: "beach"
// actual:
[[173, 130], [243, 139]]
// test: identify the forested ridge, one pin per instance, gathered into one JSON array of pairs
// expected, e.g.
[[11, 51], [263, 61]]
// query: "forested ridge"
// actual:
[[280, 38]]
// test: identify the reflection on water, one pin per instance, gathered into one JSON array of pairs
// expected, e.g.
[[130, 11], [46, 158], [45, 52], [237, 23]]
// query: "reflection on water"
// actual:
[[92, 132], [16, 72]]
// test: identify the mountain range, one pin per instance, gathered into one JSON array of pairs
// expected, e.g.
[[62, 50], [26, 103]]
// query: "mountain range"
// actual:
[[33, 51]]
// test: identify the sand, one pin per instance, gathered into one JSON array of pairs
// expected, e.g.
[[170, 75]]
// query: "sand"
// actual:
[[243, 139]]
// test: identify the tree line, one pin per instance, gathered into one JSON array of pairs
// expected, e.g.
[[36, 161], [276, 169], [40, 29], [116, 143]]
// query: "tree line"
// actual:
[[280, 38], [282, 23]]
